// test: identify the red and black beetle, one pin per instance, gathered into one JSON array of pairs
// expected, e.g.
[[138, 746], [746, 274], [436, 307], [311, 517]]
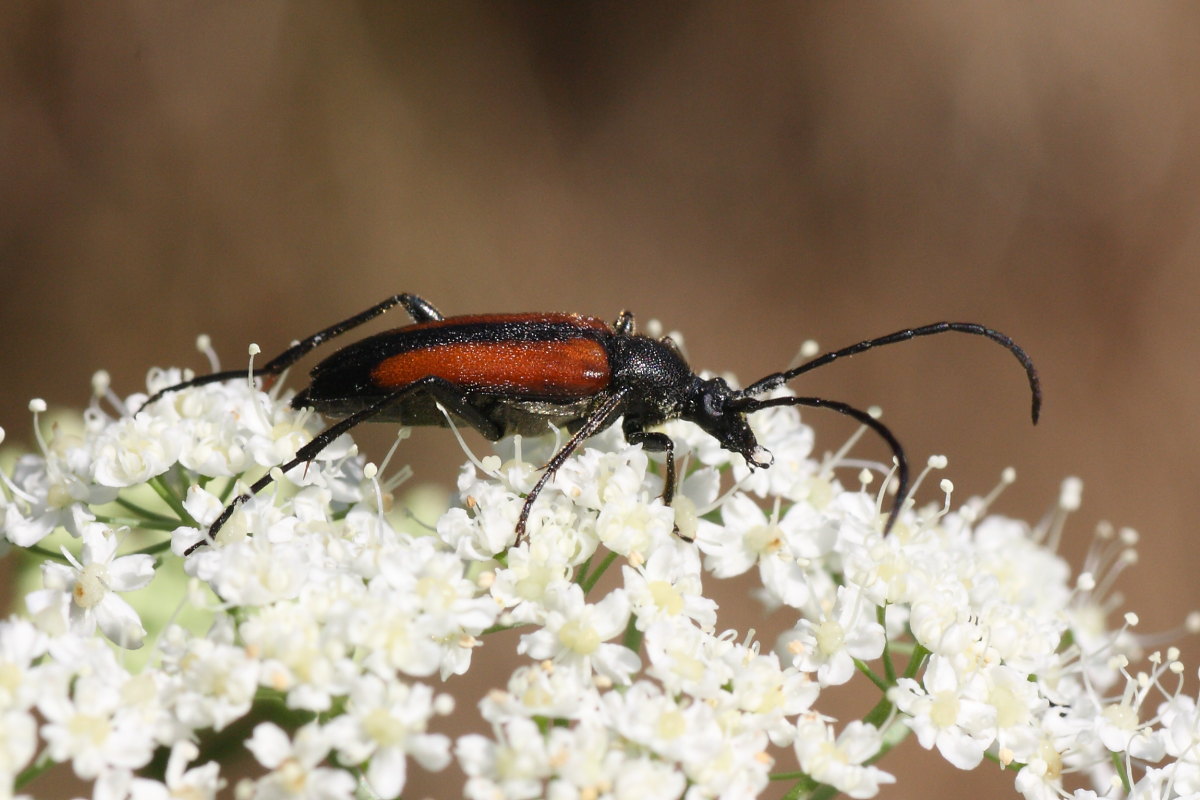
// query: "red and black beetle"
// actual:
[[504, 374]]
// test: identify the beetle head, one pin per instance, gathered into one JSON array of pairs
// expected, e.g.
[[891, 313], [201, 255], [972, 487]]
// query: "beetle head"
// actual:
[[718, 410]]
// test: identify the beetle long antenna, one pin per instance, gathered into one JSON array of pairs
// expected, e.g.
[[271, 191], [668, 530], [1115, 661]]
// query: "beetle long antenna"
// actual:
[[750, 405], [780, 378]]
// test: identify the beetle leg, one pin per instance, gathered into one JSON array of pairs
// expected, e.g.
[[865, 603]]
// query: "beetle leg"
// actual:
[[655, 443], [306, 453], [625, 323], [450, 396], [458, 402], [596, 422], [420, 310]]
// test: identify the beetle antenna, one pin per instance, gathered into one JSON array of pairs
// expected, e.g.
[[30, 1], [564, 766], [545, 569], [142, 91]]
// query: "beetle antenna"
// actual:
[[751, 404], [780, 378]]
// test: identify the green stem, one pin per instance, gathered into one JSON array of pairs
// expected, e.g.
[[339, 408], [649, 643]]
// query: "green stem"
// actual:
[[871, 676], [42, 551], [914, 664], [145, 513], [803, 787], [633, 637], [156, 483], [145, 524], [154, 549], [889, 667], [581, 573], [32, 772], [878, 715], [1118, 762], [591, 580]]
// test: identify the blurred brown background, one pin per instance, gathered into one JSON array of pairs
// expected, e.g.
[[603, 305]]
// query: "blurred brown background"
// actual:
[[752, 176]]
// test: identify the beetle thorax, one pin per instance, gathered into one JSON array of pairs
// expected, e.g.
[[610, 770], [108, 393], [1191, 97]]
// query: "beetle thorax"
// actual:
[[654, 374]]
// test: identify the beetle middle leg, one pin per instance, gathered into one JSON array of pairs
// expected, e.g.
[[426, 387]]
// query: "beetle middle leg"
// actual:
[[598, 420]]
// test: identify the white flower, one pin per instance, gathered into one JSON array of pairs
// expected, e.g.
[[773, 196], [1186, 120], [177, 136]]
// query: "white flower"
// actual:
[[386, 723], [626, 693], [767, 693], [18, 743], [948, 710], [47, 494], [541, 690], [687, 659], [213, 681], [575, 634], [513, 766], [668, 585], [678, 730], [449, 603], [21, 645], [255, 571], [641, 778], [294, 765], [92, 586], [784, 548], [830, 646], [135, 449], [535, 570], [198, 783], [839, 762], [295, 656], [91, 728]]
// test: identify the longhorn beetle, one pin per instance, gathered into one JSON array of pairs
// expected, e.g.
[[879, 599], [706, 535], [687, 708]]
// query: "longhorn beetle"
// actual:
[[504, 374]]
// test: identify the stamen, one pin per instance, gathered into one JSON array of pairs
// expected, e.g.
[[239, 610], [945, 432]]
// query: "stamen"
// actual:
[[204, 345], [494, 473], [932, 463], [38, 406]]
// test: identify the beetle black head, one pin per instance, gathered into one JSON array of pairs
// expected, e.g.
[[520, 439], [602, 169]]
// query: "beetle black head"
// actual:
[[715, 408]]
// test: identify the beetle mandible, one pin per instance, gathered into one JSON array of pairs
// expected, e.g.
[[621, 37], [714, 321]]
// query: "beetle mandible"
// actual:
[[505, 374]]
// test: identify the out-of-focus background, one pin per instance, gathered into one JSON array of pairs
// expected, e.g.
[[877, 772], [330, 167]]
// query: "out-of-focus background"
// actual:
[[752, 176]]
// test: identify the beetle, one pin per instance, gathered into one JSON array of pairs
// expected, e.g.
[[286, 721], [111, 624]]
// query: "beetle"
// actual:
[[505, 374]]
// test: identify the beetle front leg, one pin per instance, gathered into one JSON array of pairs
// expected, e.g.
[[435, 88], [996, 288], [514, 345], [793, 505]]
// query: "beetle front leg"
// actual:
[[655, 442]]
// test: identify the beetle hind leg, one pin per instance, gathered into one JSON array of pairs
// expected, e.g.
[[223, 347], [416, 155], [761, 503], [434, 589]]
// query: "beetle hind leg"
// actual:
[[450, 396], [419, 309]]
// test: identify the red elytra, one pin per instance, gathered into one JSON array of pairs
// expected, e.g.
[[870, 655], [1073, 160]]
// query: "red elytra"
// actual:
[[568, 369]]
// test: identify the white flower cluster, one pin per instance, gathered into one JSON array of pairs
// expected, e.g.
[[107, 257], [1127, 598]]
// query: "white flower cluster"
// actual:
[[331, 629]]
